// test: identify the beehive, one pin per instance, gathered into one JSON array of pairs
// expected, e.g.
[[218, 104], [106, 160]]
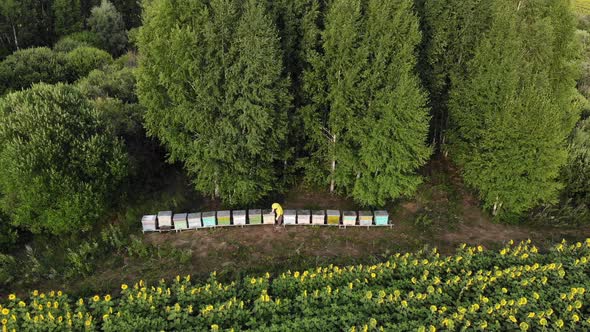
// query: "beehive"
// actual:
[[268, 217], [255, 217], [179, 220], [381, 218], [223, 218], [209, 219], [303, 217], [165, 220], [194, 220], [290, 217], [349, 218], [239, 217], [148, 223], [365, 218], [318, 217], [333, 217]]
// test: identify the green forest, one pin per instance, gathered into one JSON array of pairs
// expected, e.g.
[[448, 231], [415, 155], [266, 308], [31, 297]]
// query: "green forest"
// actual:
[[459, 117]]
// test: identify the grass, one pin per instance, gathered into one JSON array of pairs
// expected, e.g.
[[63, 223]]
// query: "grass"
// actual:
[[582, 6]]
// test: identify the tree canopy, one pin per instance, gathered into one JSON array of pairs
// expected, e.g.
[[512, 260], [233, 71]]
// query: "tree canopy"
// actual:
[[59, 165]]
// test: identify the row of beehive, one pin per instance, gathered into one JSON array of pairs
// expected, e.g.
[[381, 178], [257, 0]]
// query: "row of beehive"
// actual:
[[165, 220]]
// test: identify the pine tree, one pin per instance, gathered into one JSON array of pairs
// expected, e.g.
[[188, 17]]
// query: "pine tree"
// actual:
[[451, 31], [513, 112], [368, 130], [211, 77], [394, 118]]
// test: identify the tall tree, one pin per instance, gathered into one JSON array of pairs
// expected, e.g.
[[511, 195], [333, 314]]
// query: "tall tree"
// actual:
[[107, 23], [67, 17], [369, 129], [451, 31], [512, 113], [59, 165], [220, 103]]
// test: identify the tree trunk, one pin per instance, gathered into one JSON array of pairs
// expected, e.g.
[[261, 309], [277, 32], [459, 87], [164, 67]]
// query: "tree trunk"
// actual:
[[332, 183], [15, 37]]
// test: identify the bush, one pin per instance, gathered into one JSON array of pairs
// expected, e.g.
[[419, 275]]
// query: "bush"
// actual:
[[32, 65], [109, 82], [84, 59], [72, 41], [60, 166]]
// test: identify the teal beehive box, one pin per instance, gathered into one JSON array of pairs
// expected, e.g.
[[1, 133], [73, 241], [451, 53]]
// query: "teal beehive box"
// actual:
[[209, 219], [381, 218]]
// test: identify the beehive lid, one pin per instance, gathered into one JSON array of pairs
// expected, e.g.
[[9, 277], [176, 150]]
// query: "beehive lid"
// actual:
[[381, 213], [194, 216], [149, 218], [255, 211], [239, 213], [290, 212], [209, 214], [319, 213], [349, 213], [180, 217], [222, 214], [165, 214], [333, 212], [303, 212], [365, 214]]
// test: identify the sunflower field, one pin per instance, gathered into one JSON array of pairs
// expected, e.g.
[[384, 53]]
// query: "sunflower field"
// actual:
[[516, 288]]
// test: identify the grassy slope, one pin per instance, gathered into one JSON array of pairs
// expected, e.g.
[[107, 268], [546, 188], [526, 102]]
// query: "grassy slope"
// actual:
[[582, 6]]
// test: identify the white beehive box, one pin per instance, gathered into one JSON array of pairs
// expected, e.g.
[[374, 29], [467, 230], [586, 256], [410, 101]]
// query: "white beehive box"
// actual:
[[239, 217], [290, 217], [268, 217], [365, 218], [194, 220], [165, 220], [318, 217], [148, 223], [179, 220], [303, 217]]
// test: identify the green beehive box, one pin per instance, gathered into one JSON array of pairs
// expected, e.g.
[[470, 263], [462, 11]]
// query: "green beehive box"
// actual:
[[365, 218], [381, 218], [224, 218], [333, 217], [179, 220], [255, 217], [349, 218], [209, 219]]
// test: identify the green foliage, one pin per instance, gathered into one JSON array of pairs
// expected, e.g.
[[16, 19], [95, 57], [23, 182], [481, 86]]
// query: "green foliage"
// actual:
[[576, 173], [25, 67], [513, 289], [451, 31], [85, 59], [373, 109], [107, 23], [110, 82], [70, 42], [24, 23], [229, 123], [67, 16], [60, 167], [513, 112]]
